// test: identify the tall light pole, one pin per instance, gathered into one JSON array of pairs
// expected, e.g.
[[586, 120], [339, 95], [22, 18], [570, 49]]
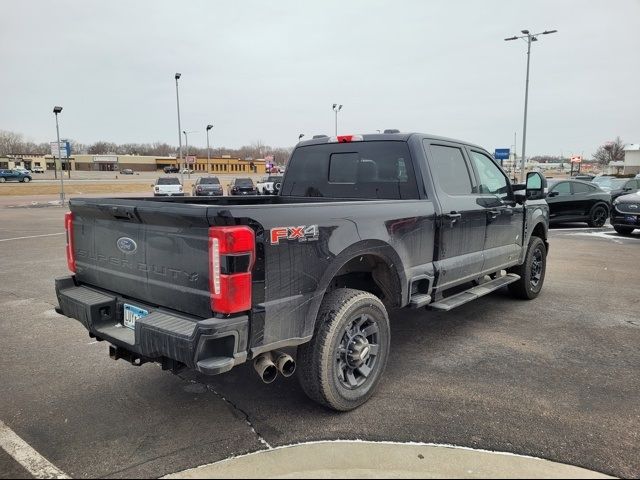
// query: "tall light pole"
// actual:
[[177, 76], [337, 108], [527, 37], [186, 140], [209, 127], [56, 111]]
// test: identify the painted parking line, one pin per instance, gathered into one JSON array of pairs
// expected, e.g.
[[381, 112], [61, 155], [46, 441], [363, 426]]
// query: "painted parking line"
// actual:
[[25, 455], [31, 236]]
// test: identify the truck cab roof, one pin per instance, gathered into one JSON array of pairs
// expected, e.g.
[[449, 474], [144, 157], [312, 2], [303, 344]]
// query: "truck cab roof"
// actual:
[[402, 136]]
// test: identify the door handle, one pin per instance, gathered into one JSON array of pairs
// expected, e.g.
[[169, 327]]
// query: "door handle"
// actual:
[[452, 217], [493, 214]]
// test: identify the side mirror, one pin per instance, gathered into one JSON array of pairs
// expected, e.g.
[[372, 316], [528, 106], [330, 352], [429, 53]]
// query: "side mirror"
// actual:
[[553, 194], [536, 186]]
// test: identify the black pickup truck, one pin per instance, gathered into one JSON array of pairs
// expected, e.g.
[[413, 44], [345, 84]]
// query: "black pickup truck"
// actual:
[[361, 224]]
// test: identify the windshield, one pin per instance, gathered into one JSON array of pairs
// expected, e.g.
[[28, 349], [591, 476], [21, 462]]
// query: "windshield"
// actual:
[[274, 179], [601, 180], [244, 182], [168, 181], [612, 183], [209, 181]]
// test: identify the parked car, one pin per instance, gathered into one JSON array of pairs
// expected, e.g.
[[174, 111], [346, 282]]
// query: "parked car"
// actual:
[[171, 169], [127, 171], [167, 186], [37, 170], [619, 186], [269, 185], [584, 177], [625, 214], [186, 171], [242, 186], [207, 186], [362, 224], [14, 176], [578, 201]]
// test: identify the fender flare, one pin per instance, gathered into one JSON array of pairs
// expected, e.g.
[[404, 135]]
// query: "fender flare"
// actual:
[[375, 248]]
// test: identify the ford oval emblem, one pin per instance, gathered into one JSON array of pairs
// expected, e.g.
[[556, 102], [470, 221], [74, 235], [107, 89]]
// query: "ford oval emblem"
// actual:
[[127, 245]]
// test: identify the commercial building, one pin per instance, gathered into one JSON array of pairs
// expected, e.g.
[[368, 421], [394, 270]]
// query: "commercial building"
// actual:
[[138, 163], [631, 159]]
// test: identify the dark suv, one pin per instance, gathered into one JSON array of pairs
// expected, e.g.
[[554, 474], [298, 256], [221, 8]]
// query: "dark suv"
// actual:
[[171, 169], [207, 186], [242, 186], [14, 176]]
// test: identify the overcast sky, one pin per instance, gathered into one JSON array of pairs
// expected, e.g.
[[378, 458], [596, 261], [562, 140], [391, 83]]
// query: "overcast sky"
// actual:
[[268, 71]]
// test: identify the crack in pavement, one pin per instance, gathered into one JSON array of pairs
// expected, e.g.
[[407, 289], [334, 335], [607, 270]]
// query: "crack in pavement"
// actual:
[[233, 405]]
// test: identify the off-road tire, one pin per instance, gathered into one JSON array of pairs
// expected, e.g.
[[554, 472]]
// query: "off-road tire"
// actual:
[[320, 363], [623, 230], [526, 288], [598, 216]]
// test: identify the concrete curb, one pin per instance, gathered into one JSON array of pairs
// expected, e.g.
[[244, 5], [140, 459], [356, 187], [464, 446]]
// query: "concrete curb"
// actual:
[[359, 459]]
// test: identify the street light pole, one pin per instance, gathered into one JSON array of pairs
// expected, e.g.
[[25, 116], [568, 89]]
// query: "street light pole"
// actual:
[[177, 76], [528, 37], [56, 111], [209, 127], [186, 139], [337, 108]]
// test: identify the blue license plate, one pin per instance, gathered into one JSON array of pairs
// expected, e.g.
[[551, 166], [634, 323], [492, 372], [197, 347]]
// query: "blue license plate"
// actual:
[[631, 219], [131, 314]]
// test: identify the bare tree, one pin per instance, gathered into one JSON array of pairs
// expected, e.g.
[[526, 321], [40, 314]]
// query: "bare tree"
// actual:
[[10, 142], [610, 152]]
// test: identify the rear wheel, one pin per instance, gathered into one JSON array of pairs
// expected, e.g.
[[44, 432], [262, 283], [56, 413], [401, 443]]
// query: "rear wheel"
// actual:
[[623, 230], [598, 216], [342, 364], [532, 271], [2, 179]]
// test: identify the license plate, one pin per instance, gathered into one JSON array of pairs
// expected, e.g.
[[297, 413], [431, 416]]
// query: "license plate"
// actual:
[[132, 314], [631, 219]]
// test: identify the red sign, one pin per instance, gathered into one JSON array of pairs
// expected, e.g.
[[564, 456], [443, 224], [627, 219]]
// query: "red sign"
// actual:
[[191, 159], [576, 159]]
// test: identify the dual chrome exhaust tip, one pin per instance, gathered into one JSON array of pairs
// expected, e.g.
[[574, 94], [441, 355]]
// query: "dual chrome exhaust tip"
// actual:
[[269, 364]]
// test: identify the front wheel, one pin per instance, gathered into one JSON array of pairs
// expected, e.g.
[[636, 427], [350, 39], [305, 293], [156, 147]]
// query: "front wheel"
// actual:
[[623, 230], [2, 179], [342, 364], [598, 216], [26, 179], [532, 271]]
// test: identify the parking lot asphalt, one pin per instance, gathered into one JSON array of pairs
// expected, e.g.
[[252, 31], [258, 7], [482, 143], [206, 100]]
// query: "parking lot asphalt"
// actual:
[[555, 378]]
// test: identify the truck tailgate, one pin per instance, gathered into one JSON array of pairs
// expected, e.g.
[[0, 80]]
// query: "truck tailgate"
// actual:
[[156, 253]]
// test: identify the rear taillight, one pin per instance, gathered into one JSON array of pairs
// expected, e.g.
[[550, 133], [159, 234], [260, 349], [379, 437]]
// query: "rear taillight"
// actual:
[[232, 253], [346, 139], [68, 226]]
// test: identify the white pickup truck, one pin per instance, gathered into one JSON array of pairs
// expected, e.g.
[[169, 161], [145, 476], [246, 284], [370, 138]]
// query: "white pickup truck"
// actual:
[[269, 185], [168, 187]]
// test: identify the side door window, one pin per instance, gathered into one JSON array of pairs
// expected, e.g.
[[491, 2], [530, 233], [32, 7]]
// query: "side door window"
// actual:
[[451, 169], [492, 180], [563, 189]]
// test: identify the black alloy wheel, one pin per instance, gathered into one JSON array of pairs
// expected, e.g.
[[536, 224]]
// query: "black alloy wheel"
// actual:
[[598, 216]]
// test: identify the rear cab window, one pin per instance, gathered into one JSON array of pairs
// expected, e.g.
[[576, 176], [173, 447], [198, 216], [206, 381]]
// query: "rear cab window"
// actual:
[[168, 181], [366, 170], [209, 181]]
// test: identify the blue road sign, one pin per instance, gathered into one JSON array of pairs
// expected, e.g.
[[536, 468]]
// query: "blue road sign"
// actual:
[[502, 154]]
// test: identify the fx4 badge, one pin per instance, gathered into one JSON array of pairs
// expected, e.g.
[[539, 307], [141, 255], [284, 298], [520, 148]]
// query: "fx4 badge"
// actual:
[[303, 233]]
